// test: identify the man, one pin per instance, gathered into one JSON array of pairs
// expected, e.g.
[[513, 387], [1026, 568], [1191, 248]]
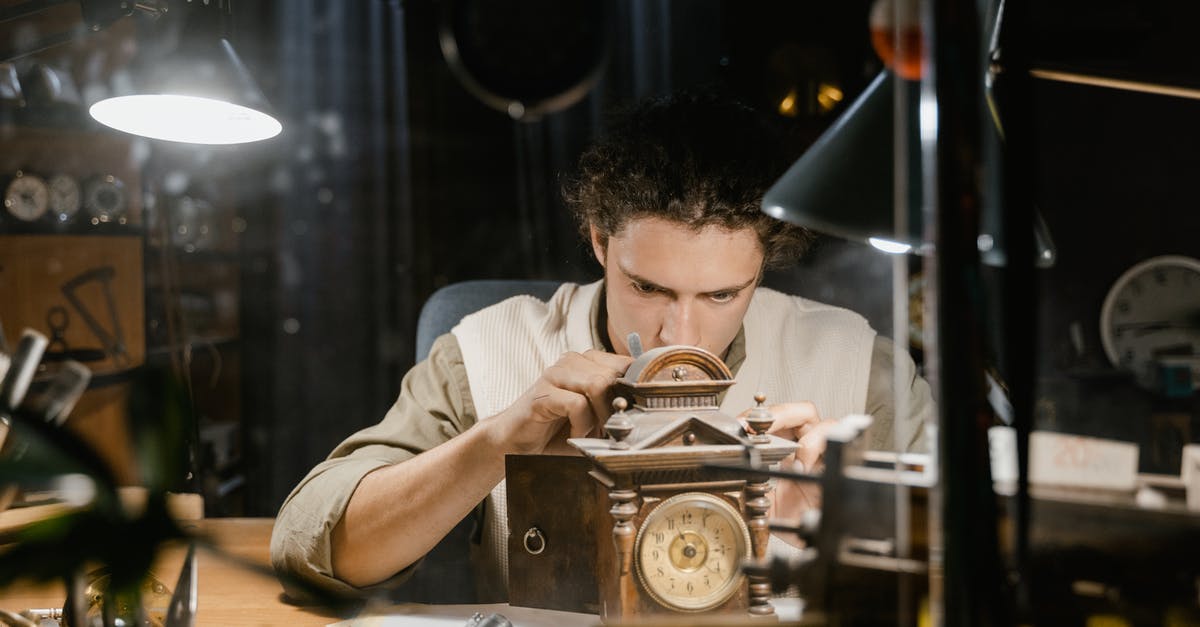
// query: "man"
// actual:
[[669, 202]]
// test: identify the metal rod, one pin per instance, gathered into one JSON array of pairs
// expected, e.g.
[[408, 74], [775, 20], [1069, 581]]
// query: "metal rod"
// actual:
[[26, 8], [1116, 83]]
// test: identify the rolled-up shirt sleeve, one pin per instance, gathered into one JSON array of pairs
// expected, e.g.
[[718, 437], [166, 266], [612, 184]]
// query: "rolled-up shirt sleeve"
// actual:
[[433, 406]]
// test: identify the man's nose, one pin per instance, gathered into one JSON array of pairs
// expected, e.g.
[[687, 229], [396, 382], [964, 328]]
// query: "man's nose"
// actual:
[[681, 325]]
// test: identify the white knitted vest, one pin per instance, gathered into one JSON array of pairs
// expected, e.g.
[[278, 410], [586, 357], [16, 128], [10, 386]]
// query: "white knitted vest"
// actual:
[[796, 350]]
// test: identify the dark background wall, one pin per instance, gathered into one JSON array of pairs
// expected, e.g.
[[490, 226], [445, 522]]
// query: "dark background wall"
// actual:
[[392, 180]]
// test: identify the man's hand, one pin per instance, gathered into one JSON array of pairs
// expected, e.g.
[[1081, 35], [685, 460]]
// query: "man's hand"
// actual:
[[800, 423], [570, 399]]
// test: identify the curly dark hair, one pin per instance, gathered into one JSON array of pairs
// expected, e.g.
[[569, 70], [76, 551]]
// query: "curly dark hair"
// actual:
[[692, 158]]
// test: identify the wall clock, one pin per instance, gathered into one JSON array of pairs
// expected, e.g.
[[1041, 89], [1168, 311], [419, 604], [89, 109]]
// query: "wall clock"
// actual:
[[26, 197], [104, 199], [1150, 320], [65, 196]]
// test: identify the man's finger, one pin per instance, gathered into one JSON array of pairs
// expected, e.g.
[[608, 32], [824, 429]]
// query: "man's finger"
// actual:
[[618, 363], [796, 417], [558, 404], [810, 449], [577, 373], [585, 374]]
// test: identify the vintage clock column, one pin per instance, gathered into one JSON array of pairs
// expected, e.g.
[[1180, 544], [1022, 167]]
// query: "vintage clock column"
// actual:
[[681, 527]]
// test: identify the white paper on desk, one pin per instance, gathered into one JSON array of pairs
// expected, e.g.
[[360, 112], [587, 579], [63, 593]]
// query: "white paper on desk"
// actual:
[[1077, 461], [422, 615]]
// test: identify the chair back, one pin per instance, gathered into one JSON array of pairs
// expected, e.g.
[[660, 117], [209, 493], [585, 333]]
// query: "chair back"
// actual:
[[449, 304]]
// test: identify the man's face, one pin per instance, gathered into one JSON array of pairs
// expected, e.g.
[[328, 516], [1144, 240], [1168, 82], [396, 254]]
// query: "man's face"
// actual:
[[674, 285]]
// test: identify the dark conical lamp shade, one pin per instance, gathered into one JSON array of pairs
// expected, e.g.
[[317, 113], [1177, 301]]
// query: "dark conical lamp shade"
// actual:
[[205, 96], [843, 183]]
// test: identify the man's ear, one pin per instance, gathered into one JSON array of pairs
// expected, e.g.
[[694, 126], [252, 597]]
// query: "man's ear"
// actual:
[[598, 247]]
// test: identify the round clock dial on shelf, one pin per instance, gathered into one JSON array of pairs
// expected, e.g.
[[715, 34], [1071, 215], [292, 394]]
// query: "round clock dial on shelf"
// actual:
[[27, 197], [1152, 314], [689, 552], [104, 199], [64, 196]]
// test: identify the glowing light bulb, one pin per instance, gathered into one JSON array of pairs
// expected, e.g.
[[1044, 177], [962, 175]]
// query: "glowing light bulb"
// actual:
[[787, 106], [904, 54], [186, 119], [891, 247]]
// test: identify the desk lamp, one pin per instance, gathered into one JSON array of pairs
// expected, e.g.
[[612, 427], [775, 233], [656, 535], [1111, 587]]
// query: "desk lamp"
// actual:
[[843, 184], [202, 94]]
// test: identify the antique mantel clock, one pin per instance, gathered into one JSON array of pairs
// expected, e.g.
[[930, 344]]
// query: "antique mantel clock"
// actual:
[[667, 528]]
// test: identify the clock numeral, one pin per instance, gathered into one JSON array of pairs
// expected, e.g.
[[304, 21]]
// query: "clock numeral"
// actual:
[[654, 554], [659, 537]]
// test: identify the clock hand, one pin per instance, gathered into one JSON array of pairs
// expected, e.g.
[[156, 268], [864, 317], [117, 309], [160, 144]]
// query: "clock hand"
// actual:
[[1141, 328]]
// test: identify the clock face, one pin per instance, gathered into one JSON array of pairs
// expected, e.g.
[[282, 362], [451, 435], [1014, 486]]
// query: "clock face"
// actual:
[[1151, 315], [26, 197], [689, 552], [104, 198], [64, 196]]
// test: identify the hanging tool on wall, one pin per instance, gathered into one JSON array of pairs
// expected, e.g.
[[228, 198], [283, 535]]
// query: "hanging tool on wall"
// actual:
[[57, 321], [114, 342]]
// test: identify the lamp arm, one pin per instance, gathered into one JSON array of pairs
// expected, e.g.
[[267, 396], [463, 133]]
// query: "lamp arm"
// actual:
[[97, 15]]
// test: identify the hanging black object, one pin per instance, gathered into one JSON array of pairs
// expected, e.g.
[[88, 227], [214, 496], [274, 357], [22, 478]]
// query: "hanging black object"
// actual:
[[526, 58]]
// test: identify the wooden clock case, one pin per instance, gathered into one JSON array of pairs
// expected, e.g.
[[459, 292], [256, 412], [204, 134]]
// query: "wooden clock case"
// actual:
[[574, 520]]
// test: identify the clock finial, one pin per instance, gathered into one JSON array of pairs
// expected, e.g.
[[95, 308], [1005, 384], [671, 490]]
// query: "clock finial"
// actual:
[[619, 426], [760, 420]]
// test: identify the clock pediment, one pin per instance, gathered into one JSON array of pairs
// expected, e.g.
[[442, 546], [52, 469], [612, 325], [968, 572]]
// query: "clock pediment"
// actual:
[[690, 430]]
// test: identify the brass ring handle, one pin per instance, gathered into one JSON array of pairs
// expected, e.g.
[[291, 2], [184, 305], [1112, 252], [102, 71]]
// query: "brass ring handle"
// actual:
[[534, 541]]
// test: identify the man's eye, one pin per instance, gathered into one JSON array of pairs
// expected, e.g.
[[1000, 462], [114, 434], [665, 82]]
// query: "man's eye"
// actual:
[[722, 297], [643, 288]]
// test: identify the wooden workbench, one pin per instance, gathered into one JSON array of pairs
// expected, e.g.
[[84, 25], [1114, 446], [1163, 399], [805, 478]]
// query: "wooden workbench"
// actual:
[[229, 593]]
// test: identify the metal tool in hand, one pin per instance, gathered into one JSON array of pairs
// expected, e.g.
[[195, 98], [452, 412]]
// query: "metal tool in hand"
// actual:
[[634, 341]]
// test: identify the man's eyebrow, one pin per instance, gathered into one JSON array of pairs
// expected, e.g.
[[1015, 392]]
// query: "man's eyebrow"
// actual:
[[735, 288], [652, 284], [640, 279]]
